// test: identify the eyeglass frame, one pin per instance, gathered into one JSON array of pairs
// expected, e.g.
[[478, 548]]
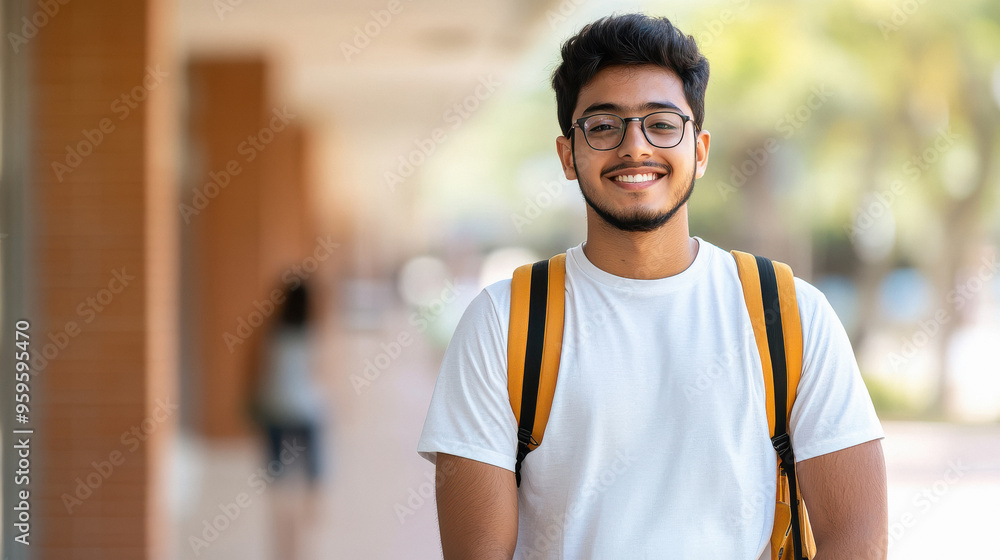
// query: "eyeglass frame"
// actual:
[[625, 121]]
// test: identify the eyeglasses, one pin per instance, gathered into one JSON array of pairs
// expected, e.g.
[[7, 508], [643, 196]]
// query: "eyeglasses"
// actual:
[[605, 131]]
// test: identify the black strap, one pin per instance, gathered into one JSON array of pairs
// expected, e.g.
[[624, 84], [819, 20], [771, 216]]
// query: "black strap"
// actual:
[[776, 347], [775, 340], [537, 303]]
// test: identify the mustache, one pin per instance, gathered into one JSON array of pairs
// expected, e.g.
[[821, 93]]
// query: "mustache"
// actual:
[[666, 168]]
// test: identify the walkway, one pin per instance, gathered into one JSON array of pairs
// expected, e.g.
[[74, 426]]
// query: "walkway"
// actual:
[[944, 479]]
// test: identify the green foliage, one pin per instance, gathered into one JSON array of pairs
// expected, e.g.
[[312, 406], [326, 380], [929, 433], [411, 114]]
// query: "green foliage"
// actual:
[[897, 73], [892, 403]]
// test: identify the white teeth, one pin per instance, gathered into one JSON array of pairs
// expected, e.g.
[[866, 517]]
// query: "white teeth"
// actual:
[[636, 178]]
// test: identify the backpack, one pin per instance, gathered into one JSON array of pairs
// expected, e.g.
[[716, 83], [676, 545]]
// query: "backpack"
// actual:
[[534, 345]]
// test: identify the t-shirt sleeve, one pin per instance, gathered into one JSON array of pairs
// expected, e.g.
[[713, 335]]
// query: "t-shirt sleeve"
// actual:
[[470, 414], [832, 409]]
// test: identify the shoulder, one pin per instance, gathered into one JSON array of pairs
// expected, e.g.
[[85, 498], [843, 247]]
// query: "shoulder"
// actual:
[[497, 293], [488, 312], [824, 338], [815, 310], [808, 297], [496, 297]]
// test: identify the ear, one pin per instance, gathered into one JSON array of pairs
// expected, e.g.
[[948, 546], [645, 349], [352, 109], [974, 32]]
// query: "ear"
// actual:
[[701, 153], [565, 150]]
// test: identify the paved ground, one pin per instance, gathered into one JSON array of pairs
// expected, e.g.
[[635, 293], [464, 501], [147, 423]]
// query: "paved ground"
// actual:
[[944, 479]]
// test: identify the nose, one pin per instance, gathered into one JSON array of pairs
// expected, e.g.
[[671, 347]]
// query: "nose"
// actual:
[[634, 145]]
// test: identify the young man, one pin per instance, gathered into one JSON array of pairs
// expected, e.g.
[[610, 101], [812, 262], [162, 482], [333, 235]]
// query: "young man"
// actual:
[[657, 443]]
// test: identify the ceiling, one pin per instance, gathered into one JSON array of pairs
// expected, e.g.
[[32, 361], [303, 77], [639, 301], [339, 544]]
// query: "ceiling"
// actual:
[[334, 58]]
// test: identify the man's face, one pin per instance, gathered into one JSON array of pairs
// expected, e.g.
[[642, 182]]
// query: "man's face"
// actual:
[[634, 91]]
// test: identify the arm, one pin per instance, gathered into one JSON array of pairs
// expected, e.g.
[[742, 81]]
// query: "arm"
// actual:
[[845, 492], [477, 509]]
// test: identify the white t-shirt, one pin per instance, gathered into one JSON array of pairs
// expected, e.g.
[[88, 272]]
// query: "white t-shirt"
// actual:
[[657, 444], [287, 392]]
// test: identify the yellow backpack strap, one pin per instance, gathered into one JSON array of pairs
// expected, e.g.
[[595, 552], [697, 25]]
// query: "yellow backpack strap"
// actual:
[[534, 343], [769, 292]]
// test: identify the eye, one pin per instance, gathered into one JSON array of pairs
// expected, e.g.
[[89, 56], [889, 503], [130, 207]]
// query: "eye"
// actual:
[[599, 124], [664, 122]]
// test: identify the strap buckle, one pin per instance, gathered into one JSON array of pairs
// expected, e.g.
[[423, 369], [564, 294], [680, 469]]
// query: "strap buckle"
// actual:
[[783, 446], [525, 436]]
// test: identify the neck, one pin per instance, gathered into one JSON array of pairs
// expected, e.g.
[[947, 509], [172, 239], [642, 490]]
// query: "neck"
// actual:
[[640, 255]]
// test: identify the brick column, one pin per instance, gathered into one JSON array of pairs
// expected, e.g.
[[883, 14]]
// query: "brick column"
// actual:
[[249, 212], [227, 113], [103, 232], [286, 222]]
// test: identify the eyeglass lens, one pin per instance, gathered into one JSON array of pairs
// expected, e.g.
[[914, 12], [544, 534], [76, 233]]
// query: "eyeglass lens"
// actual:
[[605, 132]]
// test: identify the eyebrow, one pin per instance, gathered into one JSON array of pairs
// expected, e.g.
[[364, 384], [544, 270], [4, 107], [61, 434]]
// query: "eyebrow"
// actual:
[[615, 108]]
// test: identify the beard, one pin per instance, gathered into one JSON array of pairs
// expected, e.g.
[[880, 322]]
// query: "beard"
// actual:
[[632, 219]]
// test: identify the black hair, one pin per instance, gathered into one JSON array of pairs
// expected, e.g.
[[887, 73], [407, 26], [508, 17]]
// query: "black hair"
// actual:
[[630, 40], [296, 311]]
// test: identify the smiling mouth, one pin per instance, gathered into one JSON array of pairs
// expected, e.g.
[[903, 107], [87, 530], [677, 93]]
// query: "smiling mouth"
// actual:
[[634, 181]]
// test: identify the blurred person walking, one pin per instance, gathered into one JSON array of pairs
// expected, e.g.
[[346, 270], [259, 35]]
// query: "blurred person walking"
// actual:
[[286, 404]]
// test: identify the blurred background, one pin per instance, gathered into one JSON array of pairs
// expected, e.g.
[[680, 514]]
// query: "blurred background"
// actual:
[[172, 170]]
